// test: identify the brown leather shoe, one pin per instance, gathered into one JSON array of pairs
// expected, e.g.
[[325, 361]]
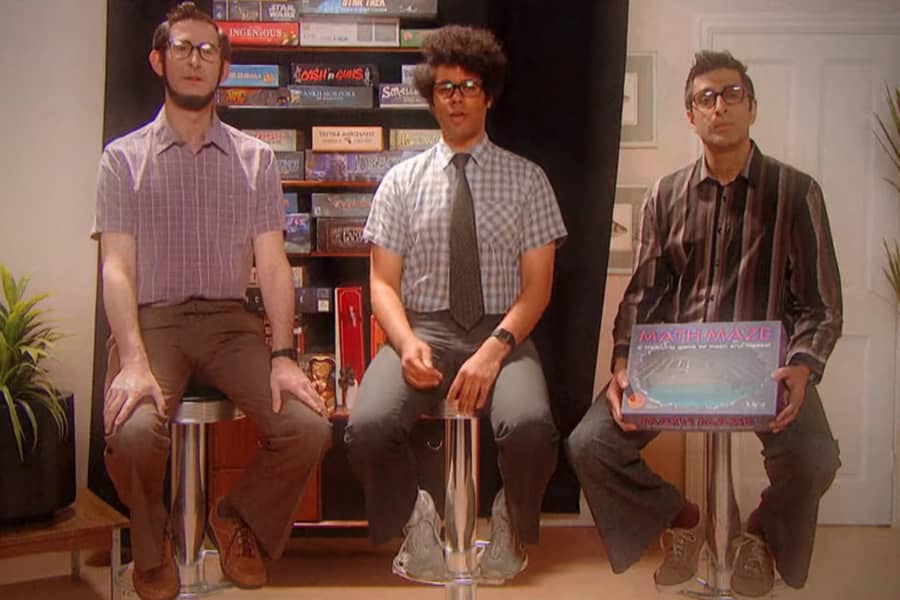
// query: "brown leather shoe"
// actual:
[[158, 583], [239, 552]]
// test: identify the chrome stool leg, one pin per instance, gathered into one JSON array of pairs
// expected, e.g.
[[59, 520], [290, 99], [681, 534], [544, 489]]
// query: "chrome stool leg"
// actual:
[[724, 518], [188, 511], [460, 507]]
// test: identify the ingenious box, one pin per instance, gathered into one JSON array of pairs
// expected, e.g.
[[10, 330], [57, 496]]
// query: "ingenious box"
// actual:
[[704, 376]]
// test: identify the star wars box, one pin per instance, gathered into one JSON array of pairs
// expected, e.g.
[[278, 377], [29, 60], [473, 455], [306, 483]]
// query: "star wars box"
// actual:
[[704, 376]]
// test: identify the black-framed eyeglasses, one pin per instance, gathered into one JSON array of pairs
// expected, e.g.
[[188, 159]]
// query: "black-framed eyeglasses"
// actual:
[[731, 94], [182, 50], [467, 88]]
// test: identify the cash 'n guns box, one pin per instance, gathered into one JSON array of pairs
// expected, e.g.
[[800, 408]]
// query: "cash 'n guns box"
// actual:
[[704, 376]]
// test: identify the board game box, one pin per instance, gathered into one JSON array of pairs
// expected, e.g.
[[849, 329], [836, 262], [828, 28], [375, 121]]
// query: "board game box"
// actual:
[[704, 376]]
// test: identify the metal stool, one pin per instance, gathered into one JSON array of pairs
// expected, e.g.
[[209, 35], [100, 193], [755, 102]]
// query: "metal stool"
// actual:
[[460, 501], [724, 519], [461, 504], [198, 408]]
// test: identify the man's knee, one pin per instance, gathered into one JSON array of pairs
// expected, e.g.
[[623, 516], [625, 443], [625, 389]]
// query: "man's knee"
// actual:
[[529, 436], [370, 431], [819, 463], [592, 437], [142, 434], [299, 427]]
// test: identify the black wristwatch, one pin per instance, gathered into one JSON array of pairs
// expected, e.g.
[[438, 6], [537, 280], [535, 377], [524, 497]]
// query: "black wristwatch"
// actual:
[[505, 336], [285, 352]]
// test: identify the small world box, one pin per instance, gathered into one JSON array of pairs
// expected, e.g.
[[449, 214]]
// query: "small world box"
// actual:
[[704, 376]]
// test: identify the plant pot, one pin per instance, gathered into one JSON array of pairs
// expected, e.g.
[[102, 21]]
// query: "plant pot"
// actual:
[[45, 481]]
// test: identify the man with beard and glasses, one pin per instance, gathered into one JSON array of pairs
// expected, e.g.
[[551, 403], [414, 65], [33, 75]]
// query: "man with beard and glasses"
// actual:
[[185, 204]]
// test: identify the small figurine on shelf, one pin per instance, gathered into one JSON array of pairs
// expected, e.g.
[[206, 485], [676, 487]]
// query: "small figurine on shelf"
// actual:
[[321, 371], [349, 387]]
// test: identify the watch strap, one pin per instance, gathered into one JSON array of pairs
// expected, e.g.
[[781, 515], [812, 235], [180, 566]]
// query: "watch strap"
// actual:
[[286, 353], [505, 336]]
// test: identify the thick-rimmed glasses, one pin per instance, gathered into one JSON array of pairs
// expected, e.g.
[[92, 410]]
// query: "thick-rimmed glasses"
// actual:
[[731, 94], [182, 50], [467, 88]]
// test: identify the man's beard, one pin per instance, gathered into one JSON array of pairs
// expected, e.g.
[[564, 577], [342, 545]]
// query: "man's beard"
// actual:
[[188, 101]]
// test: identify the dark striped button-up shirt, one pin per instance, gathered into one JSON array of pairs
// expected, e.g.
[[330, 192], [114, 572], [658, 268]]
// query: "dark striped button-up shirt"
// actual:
[[193, 215], [756, 249]]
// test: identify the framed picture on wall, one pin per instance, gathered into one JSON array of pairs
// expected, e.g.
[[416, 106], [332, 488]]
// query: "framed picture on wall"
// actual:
[[623, 237], [639, 101]]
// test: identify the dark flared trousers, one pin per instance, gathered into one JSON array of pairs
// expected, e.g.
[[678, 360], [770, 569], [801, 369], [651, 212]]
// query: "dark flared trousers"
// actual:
[[632, 505], [387, 409], [223, 345]]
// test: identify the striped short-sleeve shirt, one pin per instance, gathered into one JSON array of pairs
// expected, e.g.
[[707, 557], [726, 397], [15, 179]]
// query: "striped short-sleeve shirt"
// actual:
[[759, 248], [193, 215], [515, 211]]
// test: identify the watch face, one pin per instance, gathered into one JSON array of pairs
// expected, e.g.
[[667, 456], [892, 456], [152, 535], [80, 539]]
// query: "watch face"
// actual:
[[505, 337]]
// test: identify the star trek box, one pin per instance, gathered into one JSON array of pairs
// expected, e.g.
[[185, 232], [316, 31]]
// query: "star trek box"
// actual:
[[704, 376]]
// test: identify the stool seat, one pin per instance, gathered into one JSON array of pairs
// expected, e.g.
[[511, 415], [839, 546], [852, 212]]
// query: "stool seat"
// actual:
[[202, 405]]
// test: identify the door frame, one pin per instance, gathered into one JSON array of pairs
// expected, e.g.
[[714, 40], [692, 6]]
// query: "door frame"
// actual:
[[708, 27]]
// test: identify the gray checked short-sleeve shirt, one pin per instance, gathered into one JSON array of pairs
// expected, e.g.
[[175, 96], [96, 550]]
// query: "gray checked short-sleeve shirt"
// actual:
[[515, 211]]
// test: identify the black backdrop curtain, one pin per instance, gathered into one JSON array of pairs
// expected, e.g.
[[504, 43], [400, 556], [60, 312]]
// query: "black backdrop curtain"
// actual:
[[561, 107]]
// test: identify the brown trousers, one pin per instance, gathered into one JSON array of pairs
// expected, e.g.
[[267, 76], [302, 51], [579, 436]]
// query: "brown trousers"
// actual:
[[221, 344]]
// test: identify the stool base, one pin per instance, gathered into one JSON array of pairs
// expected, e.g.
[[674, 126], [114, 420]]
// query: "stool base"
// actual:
[[211, 579]]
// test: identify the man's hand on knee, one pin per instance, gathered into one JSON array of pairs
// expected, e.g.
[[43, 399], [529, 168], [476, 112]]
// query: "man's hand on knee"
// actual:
[[132, 383], [287, 376]]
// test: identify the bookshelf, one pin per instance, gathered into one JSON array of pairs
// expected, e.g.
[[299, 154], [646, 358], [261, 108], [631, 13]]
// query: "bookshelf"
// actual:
[[334, 497]]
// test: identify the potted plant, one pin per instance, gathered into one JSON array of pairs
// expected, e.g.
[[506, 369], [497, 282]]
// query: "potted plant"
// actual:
[[890, 141], [37, 449]]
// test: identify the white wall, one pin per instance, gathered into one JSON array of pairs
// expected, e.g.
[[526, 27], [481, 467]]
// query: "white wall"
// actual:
[[51, 111], [670, 28]]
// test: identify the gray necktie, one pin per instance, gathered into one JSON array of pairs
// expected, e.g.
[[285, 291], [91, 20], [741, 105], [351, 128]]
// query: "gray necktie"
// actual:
[[466, 300]]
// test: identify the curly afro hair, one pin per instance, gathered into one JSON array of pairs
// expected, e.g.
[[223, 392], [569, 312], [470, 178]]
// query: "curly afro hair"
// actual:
[[475, 50]]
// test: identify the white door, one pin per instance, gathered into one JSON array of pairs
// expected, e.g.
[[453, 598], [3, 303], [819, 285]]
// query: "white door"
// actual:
[[819, 84]]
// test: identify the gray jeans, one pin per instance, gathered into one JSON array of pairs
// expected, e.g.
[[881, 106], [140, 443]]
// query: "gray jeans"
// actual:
[[632, 505], [387, 408]]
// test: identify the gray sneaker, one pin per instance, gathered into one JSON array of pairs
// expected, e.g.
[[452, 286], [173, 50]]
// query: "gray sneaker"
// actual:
[[421, 557], [682, 552], [504, 557], [753, 572]]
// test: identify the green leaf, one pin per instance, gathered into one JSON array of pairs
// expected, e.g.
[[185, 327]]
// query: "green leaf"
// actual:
[[27, 338]]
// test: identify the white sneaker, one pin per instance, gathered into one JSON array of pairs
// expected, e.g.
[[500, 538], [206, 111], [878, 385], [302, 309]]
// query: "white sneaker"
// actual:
[[421, 557], [505, 557]]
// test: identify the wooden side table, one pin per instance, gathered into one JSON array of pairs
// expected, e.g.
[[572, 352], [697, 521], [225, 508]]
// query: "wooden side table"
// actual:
[[89, 524]]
